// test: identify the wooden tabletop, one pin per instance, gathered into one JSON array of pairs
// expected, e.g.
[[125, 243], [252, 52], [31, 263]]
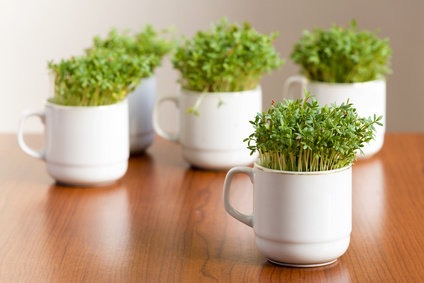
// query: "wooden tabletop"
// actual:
[[165, 222]]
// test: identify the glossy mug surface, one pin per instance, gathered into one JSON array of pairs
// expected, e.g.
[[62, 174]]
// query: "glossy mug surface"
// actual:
[[141, 102], [214, 138], [300, 219], [368, 98], [84, 146]]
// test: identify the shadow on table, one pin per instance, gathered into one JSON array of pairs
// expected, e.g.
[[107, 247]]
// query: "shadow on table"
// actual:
[[335, 272]]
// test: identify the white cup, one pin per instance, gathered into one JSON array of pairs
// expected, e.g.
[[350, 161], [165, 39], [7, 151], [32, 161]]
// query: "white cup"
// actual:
[[84, 146], [300, 219], [141, 102], [368, 98], [214, 138]]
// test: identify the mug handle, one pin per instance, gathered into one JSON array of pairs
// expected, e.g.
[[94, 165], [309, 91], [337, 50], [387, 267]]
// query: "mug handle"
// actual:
[[25, 148], [288, 84], [175, 137], [246, 219]]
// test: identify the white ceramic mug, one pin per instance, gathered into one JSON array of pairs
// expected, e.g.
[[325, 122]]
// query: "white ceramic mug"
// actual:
[[141, 102], [84, 146], [368, 98], [300, 219], [214, 138]]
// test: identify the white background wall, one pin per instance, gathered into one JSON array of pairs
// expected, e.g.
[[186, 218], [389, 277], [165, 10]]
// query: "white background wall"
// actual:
[[33, 32]]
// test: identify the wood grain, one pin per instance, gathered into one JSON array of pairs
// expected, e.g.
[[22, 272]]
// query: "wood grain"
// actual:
[[165, 222]]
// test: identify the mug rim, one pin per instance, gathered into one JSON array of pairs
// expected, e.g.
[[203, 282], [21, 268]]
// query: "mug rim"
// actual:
[[357, 84], [303, 173], [234, 93], [47, 103]]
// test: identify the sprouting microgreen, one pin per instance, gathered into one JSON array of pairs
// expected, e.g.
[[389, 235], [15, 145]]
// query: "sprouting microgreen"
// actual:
[[110, 69], [146, 42], [302, 136], [100, 77], [342, 55], [227, 58]]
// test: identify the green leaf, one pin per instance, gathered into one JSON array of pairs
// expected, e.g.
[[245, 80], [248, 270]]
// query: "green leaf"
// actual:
[[342, 55], [109, 69], [226, 58], [302, 136]]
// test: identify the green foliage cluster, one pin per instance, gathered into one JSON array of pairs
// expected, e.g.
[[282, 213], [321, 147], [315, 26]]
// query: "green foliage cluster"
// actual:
[[100, 77], [227, 58], [302, 136], [147, 42], [342, 55], [109, 70]]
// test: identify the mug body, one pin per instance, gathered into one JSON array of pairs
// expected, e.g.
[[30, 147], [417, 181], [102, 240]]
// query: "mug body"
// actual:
[[141, 102], [368, 98], [86, 146], [214, 138], [302, 218]]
